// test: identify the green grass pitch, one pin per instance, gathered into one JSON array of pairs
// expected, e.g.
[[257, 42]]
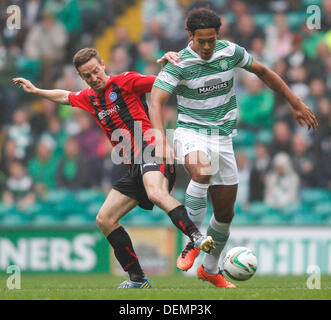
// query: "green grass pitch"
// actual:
[[176, 287]]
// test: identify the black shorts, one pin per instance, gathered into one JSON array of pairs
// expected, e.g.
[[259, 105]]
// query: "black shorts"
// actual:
[[131, 184]]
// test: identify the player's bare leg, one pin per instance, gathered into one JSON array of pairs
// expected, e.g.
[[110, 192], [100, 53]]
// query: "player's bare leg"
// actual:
[[115, 207], [156, 186]]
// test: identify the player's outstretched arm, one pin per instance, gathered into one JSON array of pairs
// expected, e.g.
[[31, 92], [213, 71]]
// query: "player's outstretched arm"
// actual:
[[56, 95], [302, 113], [163, 150]]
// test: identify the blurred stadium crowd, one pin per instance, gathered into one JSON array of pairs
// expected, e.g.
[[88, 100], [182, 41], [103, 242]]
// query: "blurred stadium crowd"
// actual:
[[52, 153]]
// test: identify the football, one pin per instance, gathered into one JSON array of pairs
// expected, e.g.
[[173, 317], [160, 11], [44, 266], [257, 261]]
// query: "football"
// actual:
[[240, 263]]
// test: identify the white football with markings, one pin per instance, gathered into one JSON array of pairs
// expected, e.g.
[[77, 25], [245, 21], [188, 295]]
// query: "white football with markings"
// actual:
[[240, 263]]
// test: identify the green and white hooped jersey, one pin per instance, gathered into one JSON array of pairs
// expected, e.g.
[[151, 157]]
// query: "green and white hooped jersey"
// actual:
[[205, 88]]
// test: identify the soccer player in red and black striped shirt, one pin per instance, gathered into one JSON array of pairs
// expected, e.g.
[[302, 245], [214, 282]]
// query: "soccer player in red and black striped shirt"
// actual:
[[118, 106]]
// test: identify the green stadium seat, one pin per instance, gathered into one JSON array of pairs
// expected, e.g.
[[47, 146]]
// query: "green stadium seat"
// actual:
[[165, 221], [247, 150], [158, 220], [124, 219], [299, 220], [74, 220], [275, 218], [89, 196], [245, 138], [58, 196], [264, 136], [317, 219], [179, 194], [295, 19], [309, 219], [46, 220], [307, 3], [136, 215], [266, 215], [238, 209], [157, 212], [291, 210], [263, 19], [313, 196], [5, 209], [34, 209], [14, 219], [140, 220], [259, 209], [323, 209], [28, 68], [244, 219], [93, 208], [68, 206], [305, 209], [229, 16], [302, 216]]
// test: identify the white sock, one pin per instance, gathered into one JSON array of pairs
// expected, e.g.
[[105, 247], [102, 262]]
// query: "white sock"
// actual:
[[220, 233], [196, 202]]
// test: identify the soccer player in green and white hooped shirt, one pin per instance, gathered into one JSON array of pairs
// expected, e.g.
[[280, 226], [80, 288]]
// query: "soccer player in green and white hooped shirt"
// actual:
[[203, 79]]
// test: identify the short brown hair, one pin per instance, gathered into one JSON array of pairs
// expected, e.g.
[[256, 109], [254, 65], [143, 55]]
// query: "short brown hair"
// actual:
[[85, 55]]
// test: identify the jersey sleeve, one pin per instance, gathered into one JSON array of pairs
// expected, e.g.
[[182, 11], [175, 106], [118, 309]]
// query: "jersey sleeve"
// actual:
[[243, 58], [80, 99], [168, 78], [138, 83]]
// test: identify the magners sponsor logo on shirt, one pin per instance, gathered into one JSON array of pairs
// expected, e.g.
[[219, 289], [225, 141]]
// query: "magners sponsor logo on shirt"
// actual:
[[213, 85]]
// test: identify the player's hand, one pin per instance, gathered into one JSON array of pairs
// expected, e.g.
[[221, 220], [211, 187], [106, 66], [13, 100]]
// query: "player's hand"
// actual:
[[25, 84], [304, 116], [170, 56]]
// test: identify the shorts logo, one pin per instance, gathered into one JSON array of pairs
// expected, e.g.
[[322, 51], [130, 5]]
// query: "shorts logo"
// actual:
[[189, 146], [113, 96], [149, 164]]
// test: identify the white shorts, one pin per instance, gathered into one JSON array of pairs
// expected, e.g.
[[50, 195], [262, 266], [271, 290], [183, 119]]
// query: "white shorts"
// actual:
[[219, 150]]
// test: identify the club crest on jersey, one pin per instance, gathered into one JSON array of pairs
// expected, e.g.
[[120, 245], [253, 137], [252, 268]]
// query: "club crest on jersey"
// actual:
[[113, 96], [213, 85], [224, 64]]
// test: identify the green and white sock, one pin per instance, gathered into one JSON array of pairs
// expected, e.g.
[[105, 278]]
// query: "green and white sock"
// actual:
[[196, 202], [220, 233]]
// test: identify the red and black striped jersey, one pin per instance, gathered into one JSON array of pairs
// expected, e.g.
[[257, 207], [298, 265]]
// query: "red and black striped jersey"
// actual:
[[121, 111]]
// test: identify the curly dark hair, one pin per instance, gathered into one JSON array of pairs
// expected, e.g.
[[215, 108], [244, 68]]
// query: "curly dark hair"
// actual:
[[202, 19]]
